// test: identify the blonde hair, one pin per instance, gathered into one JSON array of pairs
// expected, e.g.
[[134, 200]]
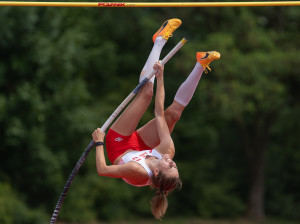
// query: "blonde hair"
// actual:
[[164, 185]]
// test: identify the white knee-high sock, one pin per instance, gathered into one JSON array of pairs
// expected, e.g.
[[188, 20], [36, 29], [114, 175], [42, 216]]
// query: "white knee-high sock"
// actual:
[[186, 90], [153, 57]]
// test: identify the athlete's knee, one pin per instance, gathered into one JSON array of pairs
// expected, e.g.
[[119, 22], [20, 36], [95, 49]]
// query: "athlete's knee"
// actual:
[[173, 114], [147, 91]]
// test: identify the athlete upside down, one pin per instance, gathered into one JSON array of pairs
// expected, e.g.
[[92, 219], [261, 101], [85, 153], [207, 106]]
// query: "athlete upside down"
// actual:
[[145, 156]]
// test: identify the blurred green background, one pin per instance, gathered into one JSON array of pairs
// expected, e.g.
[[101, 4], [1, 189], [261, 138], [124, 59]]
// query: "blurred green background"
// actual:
[[63, 71]]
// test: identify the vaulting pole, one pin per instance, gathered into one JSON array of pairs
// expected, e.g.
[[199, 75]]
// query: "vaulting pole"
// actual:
[[150, 4], [105, 126]]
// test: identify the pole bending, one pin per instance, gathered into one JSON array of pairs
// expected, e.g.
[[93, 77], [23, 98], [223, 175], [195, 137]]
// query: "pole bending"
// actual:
[[104, 127], [150, 4]]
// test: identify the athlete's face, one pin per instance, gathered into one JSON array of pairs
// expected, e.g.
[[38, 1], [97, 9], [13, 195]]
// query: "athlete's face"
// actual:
[[167, 166]]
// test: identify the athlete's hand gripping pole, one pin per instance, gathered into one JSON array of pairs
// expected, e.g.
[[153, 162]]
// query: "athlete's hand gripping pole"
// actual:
[[105, 126]]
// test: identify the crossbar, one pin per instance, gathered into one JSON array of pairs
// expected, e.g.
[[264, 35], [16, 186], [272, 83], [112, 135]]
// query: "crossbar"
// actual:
[[150, 4]]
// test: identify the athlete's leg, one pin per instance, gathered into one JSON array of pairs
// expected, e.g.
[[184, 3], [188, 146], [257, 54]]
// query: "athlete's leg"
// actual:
[[183, 96], [149, 133], [153, 57], [129, 119], [159, 39]]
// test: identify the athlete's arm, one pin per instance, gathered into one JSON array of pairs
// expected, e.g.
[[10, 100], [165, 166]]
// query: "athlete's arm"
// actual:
[[98, 136], [128, 170], [166, 145], [160, 90]]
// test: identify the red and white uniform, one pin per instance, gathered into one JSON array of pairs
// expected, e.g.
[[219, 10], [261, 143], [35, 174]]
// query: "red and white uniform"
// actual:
[[139, 157], [117, 144]]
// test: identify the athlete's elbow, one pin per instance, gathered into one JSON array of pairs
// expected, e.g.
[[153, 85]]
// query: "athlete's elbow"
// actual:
[[101, 171]]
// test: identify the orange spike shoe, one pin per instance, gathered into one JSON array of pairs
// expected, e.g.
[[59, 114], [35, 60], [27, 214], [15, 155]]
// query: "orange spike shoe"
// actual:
[[204, 58], [167, 29]]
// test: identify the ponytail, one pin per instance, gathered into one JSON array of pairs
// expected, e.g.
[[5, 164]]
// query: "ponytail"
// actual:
[[159, 202]]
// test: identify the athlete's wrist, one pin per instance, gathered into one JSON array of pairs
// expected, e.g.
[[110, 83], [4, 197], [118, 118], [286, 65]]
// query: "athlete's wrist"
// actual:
[[99, 143]]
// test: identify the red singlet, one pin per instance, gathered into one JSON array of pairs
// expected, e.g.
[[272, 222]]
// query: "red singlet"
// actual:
[[117, 144]]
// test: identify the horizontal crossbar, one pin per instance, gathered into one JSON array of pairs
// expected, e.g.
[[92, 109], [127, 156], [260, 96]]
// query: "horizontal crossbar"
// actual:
[[150, 4]]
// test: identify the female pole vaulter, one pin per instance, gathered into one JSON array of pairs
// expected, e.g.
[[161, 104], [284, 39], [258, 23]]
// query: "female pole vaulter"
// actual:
[[145, 156]]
